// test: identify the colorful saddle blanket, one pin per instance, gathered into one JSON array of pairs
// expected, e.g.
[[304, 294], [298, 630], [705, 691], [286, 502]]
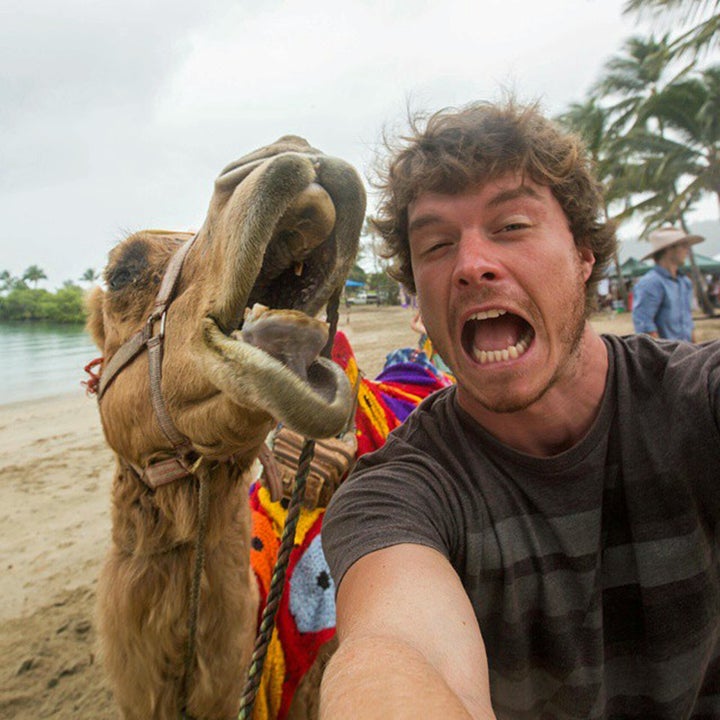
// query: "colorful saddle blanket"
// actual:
[[306, 614]]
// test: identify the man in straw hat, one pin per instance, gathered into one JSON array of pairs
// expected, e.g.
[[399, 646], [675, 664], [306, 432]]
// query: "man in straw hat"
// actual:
[[540, 539], [662, 299]]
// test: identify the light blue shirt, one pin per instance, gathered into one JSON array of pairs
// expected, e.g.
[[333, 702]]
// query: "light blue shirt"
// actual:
[[663, 304]]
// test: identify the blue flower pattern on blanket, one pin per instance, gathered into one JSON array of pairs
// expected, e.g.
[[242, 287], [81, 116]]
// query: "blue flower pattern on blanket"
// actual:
[[312, 591]]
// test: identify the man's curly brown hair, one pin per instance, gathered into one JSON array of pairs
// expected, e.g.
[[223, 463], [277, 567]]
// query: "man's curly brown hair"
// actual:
[[454, 150]]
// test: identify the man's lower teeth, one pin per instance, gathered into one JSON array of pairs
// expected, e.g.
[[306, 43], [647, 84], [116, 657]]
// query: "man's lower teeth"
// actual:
[[489, 356]]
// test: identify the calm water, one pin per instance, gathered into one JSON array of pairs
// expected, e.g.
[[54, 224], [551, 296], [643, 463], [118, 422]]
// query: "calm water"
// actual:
[[39, 360]]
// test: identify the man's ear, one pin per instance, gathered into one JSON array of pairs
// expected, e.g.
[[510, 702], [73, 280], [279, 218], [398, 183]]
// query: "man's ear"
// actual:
[[94, 302], [587, 261]]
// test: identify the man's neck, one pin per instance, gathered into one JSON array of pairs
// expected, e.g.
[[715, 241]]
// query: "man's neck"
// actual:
[[669, 265], [564, 414]]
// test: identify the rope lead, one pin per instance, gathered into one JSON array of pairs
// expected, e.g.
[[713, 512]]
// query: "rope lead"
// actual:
[[276, 584]]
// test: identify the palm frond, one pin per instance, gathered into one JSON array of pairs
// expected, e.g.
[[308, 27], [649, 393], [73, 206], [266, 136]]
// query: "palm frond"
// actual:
[[701, 15]]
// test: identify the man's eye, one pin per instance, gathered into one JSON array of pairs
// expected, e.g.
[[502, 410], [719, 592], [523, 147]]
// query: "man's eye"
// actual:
[[433, 244], [514, 226], [433, 248]]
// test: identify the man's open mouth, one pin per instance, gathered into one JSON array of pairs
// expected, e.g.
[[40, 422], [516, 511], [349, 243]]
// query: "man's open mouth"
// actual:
[[496, 335]]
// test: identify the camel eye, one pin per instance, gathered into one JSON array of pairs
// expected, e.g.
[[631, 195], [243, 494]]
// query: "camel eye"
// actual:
[[120, 278]]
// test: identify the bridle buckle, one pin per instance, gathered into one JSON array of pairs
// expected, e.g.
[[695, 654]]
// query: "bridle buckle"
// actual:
[[150, 326]]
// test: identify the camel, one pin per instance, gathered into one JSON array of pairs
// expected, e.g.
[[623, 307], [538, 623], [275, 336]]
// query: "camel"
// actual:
[[281, 232]]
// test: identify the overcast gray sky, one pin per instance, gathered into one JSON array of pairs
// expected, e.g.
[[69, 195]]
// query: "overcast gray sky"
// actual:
[[116, 116]]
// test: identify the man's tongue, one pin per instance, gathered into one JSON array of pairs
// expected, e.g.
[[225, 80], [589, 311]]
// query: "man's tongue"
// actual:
[[500, 339], [497, 333]]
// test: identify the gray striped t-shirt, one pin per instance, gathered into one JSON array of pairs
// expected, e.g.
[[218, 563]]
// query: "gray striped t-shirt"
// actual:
[[594, 574]]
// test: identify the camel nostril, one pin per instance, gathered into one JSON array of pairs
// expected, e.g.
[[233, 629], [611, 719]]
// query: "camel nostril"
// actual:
[[306, 224], [311, 214]]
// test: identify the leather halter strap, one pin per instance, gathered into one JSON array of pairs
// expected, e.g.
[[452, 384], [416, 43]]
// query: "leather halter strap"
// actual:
[[151, 338]]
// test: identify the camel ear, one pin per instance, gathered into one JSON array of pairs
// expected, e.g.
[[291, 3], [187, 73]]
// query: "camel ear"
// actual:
[[94, 304]]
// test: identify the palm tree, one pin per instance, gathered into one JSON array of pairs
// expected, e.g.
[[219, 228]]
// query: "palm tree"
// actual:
[[6, 280], [657, 94], [33, 274], [634, 76], [631, 80], [685, 156], [592, 122], [687, 152], [90, 276], [702, 17]]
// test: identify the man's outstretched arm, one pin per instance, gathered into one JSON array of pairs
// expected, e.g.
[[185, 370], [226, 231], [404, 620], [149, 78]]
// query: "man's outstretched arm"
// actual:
[[410, 645]]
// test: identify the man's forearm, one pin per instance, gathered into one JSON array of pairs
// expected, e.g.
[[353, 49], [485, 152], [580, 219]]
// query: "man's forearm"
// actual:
[[371, 679]]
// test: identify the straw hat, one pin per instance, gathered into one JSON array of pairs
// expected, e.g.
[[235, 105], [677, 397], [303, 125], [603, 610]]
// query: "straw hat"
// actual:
[[667, 236]]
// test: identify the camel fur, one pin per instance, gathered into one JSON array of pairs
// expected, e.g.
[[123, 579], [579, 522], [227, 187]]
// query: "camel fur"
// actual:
[[281, 231]]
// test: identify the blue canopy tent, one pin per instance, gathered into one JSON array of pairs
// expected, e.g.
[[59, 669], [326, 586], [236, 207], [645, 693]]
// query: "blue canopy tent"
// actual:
[[354, 283]]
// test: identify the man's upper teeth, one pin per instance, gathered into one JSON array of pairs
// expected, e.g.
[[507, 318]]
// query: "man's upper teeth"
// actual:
[[487, 314]]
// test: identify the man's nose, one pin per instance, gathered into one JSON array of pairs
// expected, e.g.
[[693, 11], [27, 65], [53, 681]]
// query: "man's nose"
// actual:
[[477, 260]]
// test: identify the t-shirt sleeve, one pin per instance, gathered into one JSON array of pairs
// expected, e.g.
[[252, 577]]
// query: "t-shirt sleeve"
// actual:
[[395, 495], [714, 387]]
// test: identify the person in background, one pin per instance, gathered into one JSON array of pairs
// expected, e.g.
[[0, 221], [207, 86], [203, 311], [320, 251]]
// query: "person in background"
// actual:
[[538, 540], [715, 291], [662, 298], [426, 346]]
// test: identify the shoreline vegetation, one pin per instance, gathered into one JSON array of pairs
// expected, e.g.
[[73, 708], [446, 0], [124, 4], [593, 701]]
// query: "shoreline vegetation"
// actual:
[[23, 303], [21, 299]]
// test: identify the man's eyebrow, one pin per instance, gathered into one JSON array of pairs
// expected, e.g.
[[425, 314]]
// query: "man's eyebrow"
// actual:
[[422, 221], [513, 194], [503, 196]]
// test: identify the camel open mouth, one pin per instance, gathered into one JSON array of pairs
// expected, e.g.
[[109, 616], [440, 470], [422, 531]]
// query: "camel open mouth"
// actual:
[[296, 219], [294, 234], [496, 335], [296, 261], [294, 272]]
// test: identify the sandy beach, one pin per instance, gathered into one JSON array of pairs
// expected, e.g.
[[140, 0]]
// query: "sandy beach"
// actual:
[[55, 477]]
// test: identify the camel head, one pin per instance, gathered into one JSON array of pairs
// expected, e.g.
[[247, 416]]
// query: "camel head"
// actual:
[[279, 238]]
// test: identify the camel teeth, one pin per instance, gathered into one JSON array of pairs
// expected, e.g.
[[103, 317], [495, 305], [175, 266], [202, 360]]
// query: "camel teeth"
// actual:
[[299, 268]]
